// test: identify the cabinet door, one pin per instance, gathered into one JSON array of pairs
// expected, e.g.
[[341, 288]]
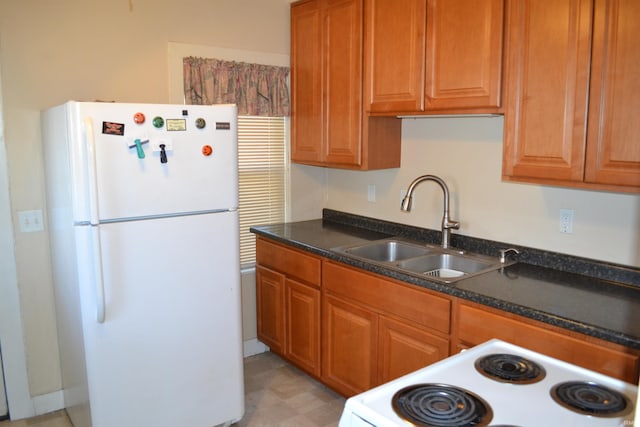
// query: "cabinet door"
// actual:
[[464, 54], [306, 81], [348, 346], [303, 326], [343, 82], [613, 141], [404, 348], [395, 55], [270, 305], [548, 51]]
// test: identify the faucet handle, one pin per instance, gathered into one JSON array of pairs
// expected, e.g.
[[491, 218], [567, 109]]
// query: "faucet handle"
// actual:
[[455, 225], [504, 252]]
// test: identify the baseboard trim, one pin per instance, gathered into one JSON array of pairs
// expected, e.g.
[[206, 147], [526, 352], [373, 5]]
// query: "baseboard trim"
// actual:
[[253, 346], [49, 402]]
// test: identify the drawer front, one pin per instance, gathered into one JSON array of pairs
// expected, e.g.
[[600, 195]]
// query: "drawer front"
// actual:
[[405, 301], [293, 263], [476, 325]]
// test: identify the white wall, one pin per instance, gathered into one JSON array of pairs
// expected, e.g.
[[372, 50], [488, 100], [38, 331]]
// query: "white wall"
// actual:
[[12, 345], [466, 153]]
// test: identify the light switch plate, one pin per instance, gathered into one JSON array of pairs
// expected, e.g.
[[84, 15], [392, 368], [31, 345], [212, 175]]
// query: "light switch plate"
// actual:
[[30, 221]]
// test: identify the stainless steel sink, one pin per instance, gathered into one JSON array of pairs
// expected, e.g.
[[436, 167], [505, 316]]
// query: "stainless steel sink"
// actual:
[[390, 250], [427, 261], [446, 266]]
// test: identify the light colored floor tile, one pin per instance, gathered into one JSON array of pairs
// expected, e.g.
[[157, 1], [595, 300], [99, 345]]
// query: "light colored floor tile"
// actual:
[[276, 395]]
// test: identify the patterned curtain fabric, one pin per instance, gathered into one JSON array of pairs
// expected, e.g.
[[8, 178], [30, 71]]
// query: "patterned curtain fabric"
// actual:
[[257, 90]]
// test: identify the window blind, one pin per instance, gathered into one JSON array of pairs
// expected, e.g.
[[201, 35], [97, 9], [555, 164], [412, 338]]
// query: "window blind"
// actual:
[[261, 175]]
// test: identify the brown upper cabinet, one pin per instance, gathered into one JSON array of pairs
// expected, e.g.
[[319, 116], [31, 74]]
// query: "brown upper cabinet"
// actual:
[[328, 124], [433, 57], [573, 94]]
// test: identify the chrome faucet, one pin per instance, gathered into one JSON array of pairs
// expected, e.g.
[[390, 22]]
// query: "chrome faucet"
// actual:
[[447, 224], [504, 252]]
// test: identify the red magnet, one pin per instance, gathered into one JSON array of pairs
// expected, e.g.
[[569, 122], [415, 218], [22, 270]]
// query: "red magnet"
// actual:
[[207, 150], [138, 118]]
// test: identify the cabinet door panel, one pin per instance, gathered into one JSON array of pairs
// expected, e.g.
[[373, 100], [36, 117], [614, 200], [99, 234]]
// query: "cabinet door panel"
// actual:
[[303, 326], [404, 349], [395, 53], [270, 308], [547, 82], [349, 346], [464, 54], [613, 147], [343, 71], [306, 82]]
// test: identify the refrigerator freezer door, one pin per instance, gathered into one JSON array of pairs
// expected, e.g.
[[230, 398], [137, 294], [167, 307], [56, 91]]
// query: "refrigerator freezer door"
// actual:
[[169, 352], [179, 159]]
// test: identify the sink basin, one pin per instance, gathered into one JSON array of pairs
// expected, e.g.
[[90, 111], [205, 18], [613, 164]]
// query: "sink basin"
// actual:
[[425, 261], [387, 250], [445, 266]]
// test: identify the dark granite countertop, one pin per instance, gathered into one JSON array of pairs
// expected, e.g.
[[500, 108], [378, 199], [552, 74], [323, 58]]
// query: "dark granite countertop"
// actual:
[[591, 297]]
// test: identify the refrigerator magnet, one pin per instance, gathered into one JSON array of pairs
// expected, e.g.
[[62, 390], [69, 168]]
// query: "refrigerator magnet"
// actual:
[[139, 118], [158, 122], [111, 128], [176, 124], [207, 150]]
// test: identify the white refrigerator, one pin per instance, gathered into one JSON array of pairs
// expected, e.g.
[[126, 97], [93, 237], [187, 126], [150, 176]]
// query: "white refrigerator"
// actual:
[[142, 207]]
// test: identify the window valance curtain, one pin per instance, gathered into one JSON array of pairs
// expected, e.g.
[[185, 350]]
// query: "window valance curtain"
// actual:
[[257, 90]]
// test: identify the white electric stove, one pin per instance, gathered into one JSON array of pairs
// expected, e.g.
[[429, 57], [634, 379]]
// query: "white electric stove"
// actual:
[[495, 384]]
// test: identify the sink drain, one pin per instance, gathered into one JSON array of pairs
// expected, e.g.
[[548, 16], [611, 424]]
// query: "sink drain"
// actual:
[[444, 273]]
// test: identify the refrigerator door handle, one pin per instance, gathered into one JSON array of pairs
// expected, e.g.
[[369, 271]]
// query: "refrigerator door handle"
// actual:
[[94, 218], [97, 273]]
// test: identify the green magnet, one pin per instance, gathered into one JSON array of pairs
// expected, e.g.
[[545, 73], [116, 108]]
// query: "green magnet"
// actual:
[[158, 122]]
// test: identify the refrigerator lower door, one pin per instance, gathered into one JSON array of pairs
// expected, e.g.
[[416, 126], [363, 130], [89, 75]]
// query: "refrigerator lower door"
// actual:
[[169, 352]]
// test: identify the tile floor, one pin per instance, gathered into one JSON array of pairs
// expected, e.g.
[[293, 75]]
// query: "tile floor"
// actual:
[[276, 395]]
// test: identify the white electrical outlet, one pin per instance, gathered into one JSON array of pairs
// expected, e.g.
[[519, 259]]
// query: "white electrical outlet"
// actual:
[[566, 221], [30, 221], [371, 193]]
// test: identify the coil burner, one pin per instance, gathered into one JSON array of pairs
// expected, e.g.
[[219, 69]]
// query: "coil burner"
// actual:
[[510, 368], [441, 405], [591, 399]]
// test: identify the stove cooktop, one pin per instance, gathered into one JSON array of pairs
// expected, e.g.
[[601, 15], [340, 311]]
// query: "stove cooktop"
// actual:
[[503, 384]]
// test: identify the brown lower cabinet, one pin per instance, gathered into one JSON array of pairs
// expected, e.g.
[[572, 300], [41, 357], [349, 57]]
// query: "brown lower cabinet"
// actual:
[[477, 323], [375, 329], [354, 330], [288, 304], [362, 348]]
